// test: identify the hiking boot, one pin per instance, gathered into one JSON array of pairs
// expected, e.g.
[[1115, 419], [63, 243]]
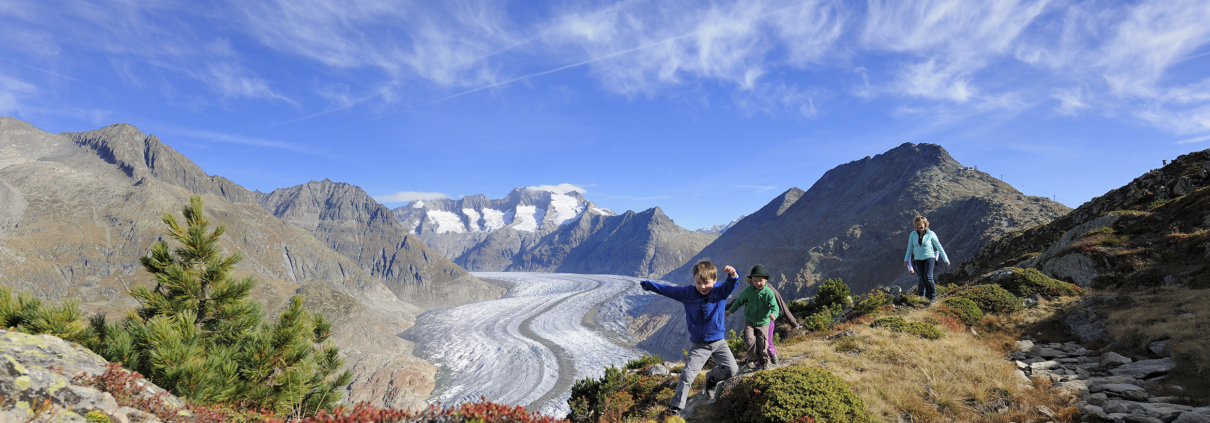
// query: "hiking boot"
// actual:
[[671, 411], [710, 382], [773, 359]]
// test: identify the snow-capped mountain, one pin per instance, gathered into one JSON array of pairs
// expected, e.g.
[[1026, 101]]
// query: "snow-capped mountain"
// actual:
[[524, 209], [719, 229], [533, 229]]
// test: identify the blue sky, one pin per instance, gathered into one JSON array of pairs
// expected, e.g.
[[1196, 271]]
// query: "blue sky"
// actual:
[[706, 109]]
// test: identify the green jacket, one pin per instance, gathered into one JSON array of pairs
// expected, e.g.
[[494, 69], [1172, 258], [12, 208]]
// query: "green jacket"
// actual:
[[760, 304]]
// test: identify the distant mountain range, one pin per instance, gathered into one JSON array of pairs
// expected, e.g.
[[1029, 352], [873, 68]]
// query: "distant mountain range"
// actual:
[[77, 210], [546, 231], [853, 224], [718, 229]]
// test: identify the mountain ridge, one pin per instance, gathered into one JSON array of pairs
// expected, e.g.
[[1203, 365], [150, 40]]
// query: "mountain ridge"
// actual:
[[852, 224]]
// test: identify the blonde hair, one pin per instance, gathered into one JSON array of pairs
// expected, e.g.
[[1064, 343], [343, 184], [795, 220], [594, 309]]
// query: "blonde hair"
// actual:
[[920, 219], [705, 271]]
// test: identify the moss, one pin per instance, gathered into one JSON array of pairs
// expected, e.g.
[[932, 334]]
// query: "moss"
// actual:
[[96, 417], [964, 309], [791, 393], [1026, 282], [991, 298]]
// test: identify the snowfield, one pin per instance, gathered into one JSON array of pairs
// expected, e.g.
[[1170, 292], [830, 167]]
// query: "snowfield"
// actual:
[[528, 347]]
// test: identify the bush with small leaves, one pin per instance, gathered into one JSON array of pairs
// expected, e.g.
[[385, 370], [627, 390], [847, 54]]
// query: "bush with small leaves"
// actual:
[[789, 394], [833, 292], [25, 313], [644, 361], [991, 298], [873, 303], [962, 308], [1026, 282], [618, 395]]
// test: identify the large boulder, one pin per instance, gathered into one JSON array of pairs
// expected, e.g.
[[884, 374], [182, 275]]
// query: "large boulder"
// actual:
[[39, 376]]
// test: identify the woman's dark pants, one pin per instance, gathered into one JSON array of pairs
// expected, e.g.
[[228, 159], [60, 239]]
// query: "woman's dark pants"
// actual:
[[924, 268]]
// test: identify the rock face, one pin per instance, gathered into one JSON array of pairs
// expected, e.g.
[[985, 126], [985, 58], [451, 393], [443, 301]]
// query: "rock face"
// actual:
[[89, 204], [350, 222], [35, 368], [533, 230], [719, 229], [854, 223]]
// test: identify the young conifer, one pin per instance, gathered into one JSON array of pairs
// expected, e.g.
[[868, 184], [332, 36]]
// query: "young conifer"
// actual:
[[199, 335]]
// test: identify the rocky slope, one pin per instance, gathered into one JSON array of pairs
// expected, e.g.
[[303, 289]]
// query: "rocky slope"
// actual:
[[80, 208], [350, 222], [1105, 234], [853, 224], [543, 231]]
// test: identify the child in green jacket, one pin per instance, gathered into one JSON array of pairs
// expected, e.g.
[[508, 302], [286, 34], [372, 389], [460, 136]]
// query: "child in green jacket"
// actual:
[[761, 309]]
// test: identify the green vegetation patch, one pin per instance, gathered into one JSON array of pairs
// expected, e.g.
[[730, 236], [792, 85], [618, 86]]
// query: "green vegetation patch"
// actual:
[[873, 303], [833, 292], [962, 308], [1026, 282], [991, 298], [644, 361], [898, 324], [791, 393], [618, 396]]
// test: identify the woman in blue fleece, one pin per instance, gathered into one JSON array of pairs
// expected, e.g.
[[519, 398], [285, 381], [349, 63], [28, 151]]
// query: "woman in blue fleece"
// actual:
[[922, 253], [705, 307]]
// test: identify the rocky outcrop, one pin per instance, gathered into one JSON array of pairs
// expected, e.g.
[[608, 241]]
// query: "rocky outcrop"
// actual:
[[853, 224], [91, 206], [1107, 386], [40, 376], [350, 222], [537, 230]]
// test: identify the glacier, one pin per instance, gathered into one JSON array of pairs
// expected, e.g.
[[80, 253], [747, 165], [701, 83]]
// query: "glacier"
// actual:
[[529, 346]]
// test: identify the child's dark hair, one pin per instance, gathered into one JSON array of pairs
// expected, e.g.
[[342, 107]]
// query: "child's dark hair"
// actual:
[[704, 271]]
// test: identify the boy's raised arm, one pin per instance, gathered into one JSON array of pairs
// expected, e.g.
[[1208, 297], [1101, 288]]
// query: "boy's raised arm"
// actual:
[[673, 292]]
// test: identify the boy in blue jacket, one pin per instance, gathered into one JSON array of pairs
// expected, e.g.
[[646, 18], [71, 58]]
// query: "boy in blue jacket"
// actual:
[[705, 305]]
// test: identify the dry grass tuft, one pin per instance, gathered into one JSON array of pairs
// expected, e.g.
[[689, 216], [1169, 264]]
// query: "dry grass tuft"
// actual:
[[959, 378]]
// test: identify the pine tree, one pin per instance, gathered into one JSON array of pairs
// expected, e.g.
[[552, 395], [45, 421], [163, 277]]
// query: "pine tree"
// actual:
[[200, 335]]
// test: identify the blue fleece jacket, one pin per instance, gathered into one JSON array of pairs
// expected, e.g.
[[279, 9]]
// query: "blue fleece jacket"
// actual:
[[704, 314], [928, 249]]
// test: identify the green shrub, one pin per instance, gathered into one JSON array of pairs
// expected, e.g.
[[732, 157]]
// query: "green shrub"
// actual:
[[912, 300], [618, 395], [965, 310], [1025, 282], [872, 303], [833, 292], [802, 307], [822, 320], [25, 314], [897, 324], [945, 290], [991, 298], [790, 393], [736, 344], [199, 335], [644, 361]]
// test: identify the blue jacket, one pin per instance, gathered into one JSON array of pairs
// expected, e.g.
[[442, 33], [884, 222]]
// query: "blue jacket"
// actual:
[[704, 314], [929, 249]]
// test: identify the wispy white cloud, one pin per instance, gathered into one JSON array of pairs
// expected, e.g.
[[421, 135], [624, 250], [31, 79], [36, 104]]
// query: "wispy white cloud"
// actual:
[[1154, 36], [12, 92], [735, 42], [1071, 100], [214, 136], [558, 189], [1194, 140], [444, 45], [927, 80], [409, 196]]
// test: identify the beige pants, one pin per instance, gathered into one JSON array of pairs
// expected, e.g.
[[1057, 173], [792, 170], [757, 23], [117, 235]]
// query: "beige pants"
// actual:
[[756, 339]]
